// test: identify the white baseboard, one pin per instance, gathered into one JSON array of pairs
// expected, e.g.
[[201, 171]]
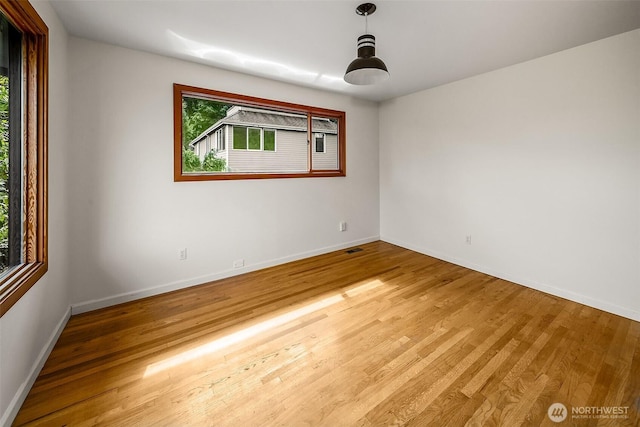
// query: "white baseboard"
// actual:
[[83, 307], [23, 391], [552, 290]]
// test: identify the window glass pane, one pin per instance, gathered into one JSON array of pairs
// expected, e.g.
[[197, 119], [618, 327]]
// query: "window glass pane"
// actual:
[[269, 140], [254, 139], [325, 135], [239, 138], [11, 211], [221, 139], [4, 146], [200, 119]]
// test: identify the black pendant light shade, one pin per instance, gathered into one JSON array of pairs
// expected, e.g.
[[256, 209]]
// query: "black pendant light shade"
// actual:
[[367, 68]]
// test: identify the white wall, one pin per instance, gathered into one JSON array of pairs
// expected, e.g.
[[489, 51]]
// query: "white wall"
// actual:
[[538, 162], [128, 217], [29, 329]]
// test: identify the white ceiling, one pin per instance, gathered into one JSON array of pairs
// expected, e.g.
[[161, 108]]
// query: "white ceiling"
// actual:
[[423, 43]]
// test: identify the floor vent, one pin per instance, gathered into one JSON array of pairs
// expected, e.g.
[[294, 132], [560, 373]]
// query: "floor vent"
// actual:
[[354, 250]]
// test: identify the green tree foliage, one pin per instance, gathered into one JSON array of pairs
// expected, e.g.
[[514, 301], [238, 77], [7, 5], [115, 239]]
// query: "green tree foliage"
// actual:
[[4, 168], [197, 115], [212, 163], [190, 161]]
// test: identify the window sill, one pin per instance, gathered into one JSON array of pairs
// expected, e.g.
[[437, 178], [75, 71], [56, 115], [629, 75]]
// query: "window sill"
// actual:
[[18, 282], [216, 176]]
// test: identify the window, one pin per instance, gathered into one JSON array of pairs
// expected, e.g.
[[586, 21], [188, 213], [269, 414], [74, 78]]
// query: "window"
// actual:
[[220, 140], [254, 138], [325, 143], [267, 139], [319, 142], [239, 138], [23, 150]]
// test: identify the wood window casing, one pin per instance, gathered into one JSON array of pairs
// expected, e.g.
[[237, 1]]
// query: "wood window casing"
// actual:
[[18, 280], [180, 91]]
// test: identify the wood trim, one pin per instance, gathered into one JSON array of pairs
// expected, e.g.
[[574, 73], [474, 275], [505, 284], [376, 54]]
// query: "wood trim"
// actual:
[[21, 279], [252, 101], [180, 90], [229, 176], [24, 17], [342, 149], [35, 35], [310, 142], [177, 133], [342, 136]]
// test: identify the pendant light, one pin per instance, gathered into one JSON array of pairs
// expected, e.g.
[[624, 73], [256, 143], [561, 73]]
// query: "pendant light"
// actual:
[[367, 68]]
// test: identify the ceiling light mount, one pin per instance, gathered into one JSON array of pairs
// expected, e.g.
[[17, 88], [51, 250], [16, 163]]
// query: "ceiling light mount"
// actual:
[[366, 9], [367, 68]]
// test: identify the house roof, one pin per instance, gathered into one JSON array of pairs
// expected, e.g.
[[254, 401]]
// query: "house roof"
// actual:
[[270, 119]]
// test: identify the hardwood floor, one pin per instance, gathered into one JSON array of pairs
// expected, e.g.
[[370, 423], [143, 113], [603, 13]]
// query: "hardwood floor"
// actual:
[[384, 336]]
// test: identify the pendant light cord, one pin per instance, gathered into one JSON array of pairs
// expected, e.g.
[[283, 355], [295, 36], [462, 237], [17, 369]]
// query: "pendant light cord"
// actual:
[[366, 22]]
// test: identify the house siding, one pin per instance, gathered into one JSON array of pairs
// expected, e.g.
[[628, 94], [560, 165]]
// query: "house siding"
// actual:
[[290, 155], [329, 159], [209, 142]]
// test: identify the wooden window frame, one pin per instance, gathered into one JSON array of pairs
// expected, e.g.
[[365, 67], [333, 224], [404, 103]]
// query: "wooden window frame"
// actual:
[[180, 90], [17, 281]]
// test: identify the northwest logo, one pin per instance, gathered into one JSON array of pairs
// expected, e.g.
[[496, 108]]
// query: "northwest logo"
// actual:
[[557, 412]]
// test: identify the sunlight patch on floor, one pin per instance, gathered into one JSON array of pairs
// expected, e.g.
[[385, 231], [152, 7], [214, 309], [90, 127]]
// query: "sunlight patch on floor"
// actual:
[[256, 329]]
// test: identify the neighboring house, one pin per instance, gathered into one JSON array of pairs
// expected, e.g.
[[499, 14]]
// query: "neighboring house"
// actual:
[[256, 140]]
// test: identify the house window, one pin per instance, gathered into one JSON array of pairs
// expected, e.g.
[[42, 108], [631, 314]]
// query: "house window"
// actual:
[[319, 139], [254, 138], [269, 143], [239, 138], [220, 140], [23, 152], [268, 139]]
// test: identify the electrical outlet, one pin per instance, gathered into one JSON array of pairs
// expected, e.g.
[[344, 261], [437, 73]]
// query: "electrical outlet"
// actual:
[[468, 239], [238, 263], [182, 254], [342, 226]]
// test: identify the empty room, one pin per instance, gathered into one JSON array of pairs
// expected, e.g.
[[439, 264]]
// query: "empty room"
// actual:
[[319, 213]]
